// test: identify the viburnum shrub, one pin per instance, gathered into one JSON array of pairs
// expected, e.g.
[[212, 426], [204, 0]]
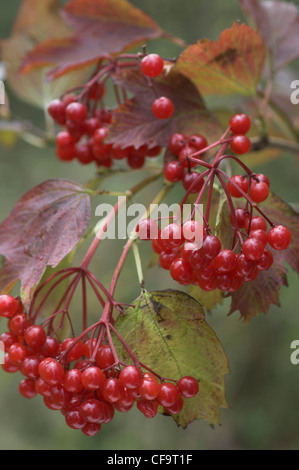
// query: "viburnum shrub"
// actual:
[[141, 114]]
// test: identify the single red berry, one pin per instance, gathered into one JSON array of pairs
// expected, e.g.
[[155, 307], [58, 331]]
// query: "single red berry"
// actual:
[[8, 306], [173, 171], [56, 109], [192, 182], [8, 339], [65, 140], [112, 390], [35, 336], [157, 246], [240, 124], [75, 348], [104, 357], [120, 153], [27, 388], [266, 260], [237, 181], [9, 366], [188, 387], [152, 65], [83, 154], [72, 381], [255, 223], [260, 235], [91, 429], [17, 353], [60, 396], [244, 266], [181, 271], [166, 258], [93, 378], [198, 260], [184, 155], [76, 112], [50, 348], [176, 143], [91, 410], [30, 367], [162, 108], [66, 154], [168, 394], [51, 371], [136, 161], [224, 281], [253, 248], [130, 377], [42, 387], [279, 237], [259, 191], [240, 144], [149, 388], [198, 141], [147, 407], [147, 229], [261, 177], [176, 408], [225, 261], [211, 246], [241, 216], [74, 419]]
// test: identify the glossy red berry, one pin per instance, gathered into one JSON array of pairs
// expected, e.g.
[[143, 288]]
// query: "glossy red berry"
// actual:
[[73, 348], [240, 144], [225, 261], [279, 237], [255, 223], [181, 271], [72, 381], [112, 390], [240, 124], [266, 260], [162, 108], [17, 353], [74, 419], [8, 306], [18, 323], [238, 181], [198, 141], [93, 378], [152, 65], [104, 357], [76, 112], [168, 394], [176, 408], [173, 171], [35, 336], [147, 407], [211, 246], [188, 387], [253, 248], [130, 377], [91, 429], [149, 388], [51, 371], [29, 367], [177, 142], [192, 182], [27, 388], [259, 191]]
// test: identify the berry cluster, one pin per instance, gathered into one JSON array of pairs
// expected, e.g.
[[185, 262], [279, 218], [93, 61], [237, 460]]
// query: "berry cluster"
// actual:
[[189, 250], [84, 135], [81, 379]]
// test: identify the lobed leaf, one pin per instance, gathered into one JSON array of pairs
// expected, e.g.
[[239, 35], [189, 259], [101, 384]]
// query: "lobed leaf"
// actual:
[[168, 332], [135, 123], [233, 64], [100, 27], [41, 230]]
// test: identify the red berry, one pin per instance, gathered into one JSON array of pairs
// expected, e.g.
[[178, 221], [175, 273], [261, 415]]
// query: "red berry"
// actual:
[[97, 91], [27, 388], [130, 377], [104, 357], [240, 144], [181, 271], [244, 266], [75, 348], [18, 323], [56, 110], [259, 191], [198, 141], [198, 260], [162, 108], [260, 235], [51, 371], [30, 367], [93, 378], [237, 181], [177, 142], [171, 236], [72, 381], [76, 112], [157, 246], [176, 408], [188, 387], [147, 229], [42, 387], [279, 237], [152, 65], [149, 388], [266, 260], [66, 154], [264, 178], [74, 419], [91, 429], [9, 366], [255, 223], [8, 339], [136, 161], [112, 390], [225, 261], [240, 124], [65, 140], [166, 258], [193, 231], [193, 182], [241, 216], [253, 248], [91, 410], [168, 394], [186, 152], [8, 306], [35, 336], [173, 171], [50, 348], [147, 407], [211, 246], [17, 353]]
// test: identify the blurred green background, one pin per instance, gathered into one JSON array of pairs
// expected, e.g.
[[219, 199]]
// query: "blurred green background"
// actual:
[[263, 387]]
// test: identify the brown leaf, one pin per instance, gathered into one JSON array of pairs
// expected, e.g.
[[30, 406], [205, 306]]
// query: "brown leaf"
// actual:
[[42, 229], [278, 25], [36, 21], [233, 64], [100, 27], [135, 123]]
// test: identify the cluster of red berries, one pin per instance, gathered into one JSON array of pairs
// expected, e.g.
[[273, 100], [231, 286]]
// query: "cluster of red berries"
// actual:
[[86, 391], [191, 253], [84, 134], [180, 147]]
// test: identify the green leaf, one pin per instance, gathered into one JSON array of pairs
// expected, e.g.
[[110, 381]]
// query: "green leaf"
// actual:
[[233, 64], [168, 332]]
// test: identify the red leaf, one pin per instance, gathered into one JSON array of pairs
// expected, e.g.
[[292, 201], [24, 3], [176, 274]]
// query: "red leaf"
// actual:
[[278, 25], [100, 27], [256, 297], [41, 230], [233, 64], [135, 123]]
